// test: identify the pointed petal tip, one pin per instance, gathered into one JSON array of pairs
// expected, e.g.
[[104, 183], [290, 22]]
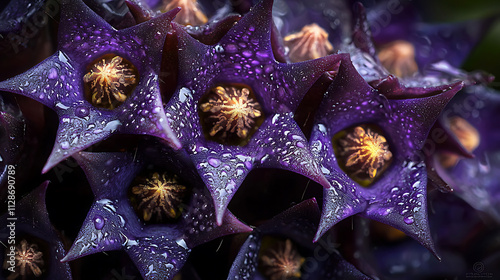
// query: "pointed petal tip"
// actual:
[[329, 63], [313, 200], [311, 204], [267, 4], [174, 143], [262, 8], [44, 185], [170, 15], [54, 159], [68, 257], [239, 227], [318, 234], [458, 85], [324, 182], [432, 249], [220, 210], [245, 228], [451, 89], [48, 166], [166, 133]]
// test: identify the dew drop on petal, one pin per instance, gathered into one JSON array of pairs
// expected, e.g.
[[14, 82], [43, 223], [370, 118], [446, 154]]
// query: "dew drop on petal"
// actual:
[[82, 111], [408, 220], [98, 222], [52, 73], [214, 162]]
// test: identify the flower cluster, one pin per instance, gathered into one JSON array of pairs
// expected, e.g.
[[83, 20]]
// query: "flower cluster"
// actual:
[[176, 130]]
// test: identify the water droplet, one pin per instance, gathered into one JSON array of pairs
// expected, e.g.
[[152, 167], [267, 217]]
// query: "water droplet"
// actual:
[[247, 53], [408, 220], [98, 222], [65, 145], [231, 48], [82, 111], [214, 162], [52, 73]]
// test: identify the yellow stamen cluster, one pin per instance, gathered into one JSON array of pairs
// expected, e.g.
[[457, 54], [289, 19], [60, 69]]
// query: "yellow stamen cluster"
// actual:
[[233, 110], [309, 43], [190, 13], [398, 58], [282, 263], [109, 80], [365, 150], [160, 196], [29, 261]]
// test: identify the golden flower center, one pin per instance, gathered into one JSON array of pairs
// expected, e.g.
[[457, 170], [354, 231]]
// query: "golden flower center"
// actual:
[[365, 151], [398, 58], [29, 261], [190, 13], [466, 134], [231, 111], [110, 81], [310, 42], [160, 196], [281, 263]]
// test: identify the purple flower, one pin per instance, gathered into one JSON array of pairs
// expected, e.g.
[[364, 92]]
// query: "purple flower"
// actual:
[[233, 109], [380, 135], [432, 42], [37, 243], [95, 69], [470, 123], [130, 216], [282, 248]]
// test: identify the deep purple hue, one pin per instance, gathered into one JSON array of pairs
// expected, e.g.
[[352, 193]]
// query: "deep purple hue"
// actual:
[[244, 55], [57, 82], [159, 250], [398, 198]]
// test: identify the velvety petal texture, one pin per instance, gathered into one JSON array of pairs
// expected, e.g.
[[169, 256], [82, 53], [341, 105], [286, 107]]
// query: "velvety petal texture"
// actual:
[[191, 139], [398, 197], [57, 82], [244, 56], [158, 250], [321, 260], [474, 179]]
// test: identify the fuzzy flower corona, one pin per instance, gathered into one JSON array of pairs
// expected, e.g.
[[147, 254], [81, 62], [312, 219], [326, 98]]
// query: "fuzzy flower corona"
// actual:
[[234, 111], [283, 262], [108, 80], [367, 149], [159, 196], [28, 259]]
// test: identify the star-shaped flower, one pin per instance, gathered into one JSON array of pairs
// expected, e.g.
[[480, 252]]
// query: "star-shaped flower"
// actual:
[[285, 233], [59, 81], [37, 248], [159, 250], [432, 42], [398, 196], [242, 60], [468, 157]]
